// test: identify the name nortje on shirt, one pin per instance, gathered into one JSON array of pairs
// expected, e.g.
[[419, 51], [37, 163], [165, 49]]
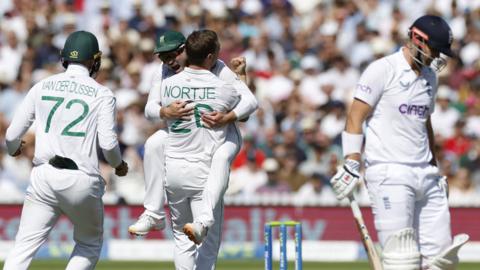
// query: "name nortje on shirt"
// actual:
[[191, 93]]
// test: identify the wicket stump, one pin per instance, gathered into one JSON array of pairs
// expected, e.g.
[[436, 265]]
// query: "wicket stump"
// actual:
[[283, 225]]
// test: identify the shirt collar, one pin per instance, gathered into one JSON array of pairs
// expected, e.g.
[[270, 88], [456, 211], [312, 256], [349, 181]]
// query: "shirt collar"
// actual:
[[197, 71], [403, 64], [77, 69]]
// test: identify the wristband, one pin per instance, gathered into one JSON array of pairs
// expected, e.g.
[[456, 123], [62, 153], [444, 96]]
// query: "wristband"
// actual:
[[351, 143]]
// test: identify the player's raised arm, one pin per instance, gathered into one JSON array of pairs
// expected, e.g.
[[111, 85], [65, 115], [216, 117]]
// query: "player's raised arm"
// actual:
[[23, 119], [247, 104], [239, 66]]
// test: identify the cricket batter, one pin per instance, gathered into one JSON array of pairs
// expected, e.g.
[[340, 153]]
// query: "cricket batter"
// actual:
[[190, 145], [396, 96], [170, 50], [73, 115]]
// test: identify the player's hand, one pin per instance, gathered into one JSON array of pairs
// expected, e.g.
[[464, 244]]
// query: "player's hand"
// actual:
[[239, 65], [346, 179], [122, 169], [218, 119], [19, 150], [177, 110]]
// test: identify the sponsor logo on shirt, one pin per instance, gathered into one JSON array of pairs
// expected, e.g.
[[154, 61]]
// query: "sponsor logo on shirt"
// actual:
[[364, 88], [412, 109], [405, 85]]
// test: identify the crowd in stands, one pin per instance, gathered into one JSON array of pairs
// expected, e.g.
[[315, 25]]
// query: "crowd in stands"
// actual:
[[304, 59]]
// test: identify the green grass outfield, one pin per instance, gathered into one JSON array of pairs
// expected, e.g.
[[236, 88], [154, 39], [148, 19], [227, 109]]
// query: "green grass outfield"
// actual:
[[224, 264]]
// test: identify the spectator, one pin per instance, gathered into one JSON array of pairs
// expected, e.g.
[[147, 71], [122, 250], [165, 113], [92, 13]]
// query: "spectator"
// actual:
[[11, 52], [315, 191], [274, 183], [462, 191], [247, 179], [301, 56], [249, 148], [459, 143], [444, 117], [289, 171], [334, 122]]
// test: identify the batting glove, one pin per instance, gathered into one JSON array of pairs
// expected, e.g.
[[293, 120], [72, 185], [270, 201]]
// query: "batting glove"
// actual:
[[346, 179]]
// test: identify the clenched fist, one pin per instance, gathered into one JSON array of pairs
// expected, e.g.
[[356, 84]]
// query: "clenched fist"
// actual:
[[239, 65]]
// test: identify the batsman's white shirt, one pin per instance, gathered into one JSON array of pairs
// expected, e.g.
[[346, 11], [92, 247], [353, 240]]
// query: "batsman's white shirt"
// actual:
[[73, 114], [191, 140], [402, 102]]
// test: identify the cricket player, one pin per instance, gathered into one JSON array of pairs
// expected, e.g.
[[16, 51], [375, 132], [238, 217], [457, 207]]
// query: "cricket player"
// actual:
[[73, 114], [190, 145], [396, 96], [170, 49]]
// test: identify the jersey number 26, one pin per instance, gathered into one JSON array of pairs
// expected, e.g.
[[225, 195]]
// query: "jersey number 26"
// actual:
[[198, 119]]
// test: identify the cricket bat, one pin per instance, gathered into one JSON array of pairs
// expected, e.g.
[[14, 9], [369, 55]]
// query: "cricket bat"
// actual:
[[373, 258]]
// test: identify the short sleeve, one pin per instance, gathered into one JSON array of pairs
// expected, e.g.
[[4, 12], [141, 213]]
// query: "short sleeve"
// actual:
[[371, 85]]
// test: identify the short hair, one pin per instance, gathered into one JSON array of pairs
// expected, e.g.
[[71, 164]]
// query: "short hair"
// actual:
[[199, 44]]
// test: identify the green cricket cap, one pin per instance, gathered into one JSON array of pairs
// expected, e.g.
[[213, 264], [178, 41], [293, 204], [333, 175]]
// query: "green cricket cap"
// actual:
[[80, 46], [169, 41]]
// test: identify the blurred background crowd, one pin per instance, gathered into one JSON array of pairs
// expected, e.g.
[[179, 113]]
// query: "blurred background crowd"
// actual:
[[304, 59]]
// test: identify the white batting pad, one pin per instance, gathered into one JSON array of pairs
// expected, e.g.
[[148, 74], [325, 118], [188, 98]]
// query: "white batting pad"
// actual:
[[401, 251]]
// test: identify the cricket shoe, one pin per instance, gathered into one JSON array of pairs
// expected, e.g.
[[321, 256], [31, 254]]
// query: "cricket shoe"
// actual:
[[146, 224], [195, 231]]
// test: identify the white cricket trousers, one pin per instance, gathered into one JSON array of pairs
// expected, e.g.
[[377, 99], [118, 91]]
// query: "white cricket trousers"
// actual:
[[211, 214], [154, 171], [184, 187], [51, 193], [410, 196]]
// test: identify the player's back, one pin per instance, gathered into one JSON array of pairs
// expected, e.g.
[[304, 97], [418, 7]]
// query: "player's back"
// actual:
[[67, 112], [191, 139]]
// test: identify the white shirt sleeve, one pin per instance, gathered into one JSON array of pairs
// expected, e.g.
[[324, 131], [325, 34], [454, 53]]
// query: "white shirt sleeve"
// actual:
[[371, 85], [248, 103], [107, 137], [152, 109], [230, 96], [22, 120]]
